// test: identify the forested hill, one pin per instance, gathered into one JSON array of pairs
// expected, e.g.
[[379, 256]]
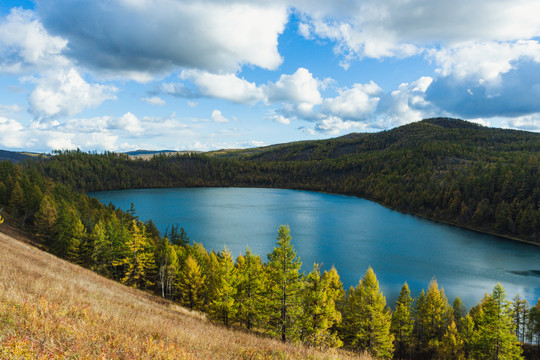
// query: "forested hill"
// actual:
[[447, 169]]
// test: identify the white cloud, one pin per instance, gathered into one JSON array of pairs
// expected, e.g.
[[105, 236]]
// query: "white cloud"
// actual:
[[129, 35], [333, 125], [65, 93], [10, 109], [128, 122], [11, 134], [279, 119], [355, 103], [528, 122], [378, 29], [26, 46], [299, 88], [218, 117], [154, 100], [224, 86], [484, 61], [405, 105]]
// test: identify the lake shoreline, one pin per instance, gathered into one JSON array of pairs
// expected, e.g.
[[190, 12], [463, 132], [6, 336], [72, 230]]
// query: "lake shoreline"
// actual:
[[446, 222]]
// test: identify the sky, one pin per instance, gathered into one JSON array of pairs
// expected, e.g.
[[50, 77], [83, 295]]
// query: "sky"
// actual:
[[122, 75]]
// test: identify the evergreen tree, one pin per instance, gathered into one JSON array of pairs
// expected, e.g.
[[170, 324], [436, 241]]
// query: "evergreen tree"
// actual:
[[139, 260], [190, 284], [284, 284], [402, 323], [319, 308], [496, 332], [223, 307], [368, 320], [251, 284]]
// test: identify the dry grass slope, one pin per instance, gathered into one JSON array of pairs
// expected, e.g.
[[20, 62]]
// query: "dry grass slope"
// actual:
[[51, 309]]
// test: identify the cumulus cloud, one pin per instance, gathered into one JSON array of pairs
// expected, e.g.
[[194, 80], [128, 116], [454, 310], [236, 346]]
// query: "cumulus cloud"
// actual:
[[405, 105], [222, 86], [26, 46], [11, 134], [218, 117], [299, 89], [355, 103], [121, 36], [380, 29], [154, 100], [334, 125], [484, 61], [515, 93], [65, 93]]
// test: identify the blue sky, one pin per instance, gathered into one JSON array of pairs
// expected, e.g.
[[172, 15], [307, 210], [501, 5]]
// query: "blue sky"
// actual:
[[122, 75]]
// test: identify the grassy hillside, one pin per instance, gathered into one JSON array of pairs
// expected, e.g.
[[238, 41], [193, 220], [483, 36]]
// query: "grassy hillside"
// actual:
[[50, 308]]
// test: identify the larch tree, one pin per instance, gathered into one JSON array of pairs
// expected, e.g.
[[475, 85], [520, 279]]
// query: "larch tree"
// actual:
[[319, 312], [368, 320], [458, 311], [224, 307], [520, 308], [139, 260], [284, 285], [402, 323], [250, 287], [496, 331], [102, 254], [451, 345], [469, 335], [45, 217], [435, 314], [168, 267], [190, 284]]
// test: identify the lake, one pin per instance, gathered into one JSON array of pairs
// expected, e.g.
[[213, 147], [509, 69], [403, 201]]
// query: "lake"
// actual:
[[348, 232]]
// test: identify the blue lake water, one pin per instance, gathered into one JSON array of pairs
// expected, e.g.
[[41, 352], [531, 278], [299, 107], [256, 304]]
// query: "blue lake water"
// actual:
[[347, 232]]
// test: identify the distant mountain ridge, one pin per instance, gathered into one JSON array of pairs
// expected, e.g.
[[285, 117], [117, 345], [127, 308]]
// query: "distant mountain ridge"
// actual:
[[450, 170], [15, 156]]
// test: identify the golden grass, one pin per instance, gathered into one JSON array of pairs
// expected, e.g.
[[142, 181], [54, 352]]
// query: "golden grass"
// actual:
[[51, 309]]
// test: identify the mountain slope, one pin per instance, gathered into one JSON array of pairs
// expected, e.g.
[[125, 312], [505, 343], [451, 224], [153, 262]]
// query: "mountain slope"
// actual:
[[50, 308]]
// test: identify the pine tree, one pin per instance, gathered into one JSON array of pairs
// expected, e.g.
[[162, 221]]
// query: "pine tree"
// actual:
[[284, 284], [402, 322], [368, 320], [251, 284], [191, 284], [319, 308], [496, 332], [139, 259], [223, 307]]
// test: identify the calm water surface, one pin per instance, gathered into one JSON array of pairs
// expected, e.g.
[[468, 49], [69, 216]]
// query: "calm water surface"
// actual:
[[347, 232]]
